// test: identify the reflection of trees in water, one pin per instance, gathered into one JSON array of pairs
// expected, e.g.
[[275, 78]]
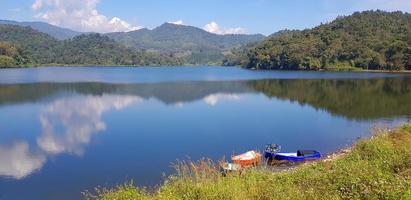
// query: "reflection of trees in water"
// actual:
[[169, 93], [67, 126], [355, 99], [69, 121]]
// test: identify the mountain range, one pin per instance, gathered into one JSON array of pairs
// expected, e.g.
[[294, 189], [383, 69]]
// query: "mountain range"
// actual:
[[193, 45], [371, 40], [54, 31]]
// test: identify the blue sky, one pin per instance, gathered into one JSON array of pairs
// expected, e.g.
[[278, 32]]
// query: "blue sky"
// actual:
[[218, 16]]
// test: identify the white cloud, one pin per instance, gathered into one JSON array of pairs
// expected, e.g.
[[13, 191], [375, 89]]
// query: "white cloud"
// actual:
[[80, 118], [17, 161], [81, 15], [213, 99], [213, 27], [179, 104], [179, 22], [68, 125], [37, 5]]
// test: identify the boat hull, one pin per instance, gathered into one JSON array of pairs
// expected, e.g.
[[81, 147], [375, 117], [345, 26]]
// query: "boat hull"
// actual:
[[292, 158], [247, 162]]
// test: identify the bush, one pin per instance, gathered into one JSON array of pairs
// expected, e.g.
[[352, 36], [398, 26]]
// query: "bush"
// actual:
[[6, 61]]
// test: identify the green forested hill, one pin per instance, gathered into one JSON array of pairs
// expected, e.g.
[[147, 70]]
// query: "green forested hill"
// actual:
[[98, 49], [21, 46], [374, 40], [30, 46], [366, 40], [192, 44], [168, 44], [54, 31]]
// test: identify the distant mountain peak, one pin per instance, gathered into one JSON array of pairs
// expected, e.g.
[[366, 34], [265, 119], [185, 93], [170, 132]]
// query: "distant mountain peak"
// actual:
[[193, 44], [176, 26], [54, 31]]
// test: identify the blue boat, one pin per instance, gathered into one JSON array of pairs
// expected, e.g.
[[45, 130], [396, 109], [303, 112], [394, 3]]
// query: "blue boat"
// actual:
[[272, 152], [299, 156]]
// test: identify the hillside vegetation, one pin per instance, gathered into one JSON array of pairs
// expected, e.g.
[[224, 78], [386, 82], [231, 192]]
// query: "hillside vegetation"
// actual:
[[192, 44], [374, 40], [370, 40], [54, 31], [169, 44], [24, 46]]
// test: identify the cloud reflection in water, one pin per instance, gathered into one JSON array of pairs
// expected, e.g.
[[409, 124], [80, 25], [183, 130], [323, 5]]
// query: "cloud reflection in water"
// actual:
[[213, 99], [67, 126], [17, 161]]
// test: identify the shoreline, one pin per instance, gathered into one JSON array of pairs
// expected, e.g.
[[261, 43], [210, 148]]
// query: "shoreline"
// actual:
[[177, 66], [389, 71], [329, 157], [374, 168]]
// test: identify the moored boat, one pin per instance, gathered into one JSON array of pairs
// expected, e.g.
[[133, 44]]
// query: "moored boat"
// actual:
[[247, 159], [299, 156]]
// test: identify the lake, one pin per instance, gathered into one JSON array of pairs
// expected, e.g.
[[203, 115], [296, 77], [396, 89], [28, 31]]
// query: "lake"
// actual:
[[67, 130]]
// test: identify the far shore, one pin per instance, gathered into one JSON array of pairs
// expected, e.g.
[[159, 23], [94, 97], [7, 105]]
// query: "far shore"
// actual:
[[156, 66]]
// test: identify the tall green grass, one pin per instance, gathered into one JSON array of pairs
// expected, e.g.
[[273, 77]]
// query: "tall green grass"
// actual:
[[375, 168]]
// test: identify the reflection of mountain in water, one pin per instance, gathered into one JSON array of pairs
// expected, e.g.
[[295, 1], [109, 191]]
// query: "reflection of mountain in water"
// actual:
[[355, 99], [68, 122], [169, 93]]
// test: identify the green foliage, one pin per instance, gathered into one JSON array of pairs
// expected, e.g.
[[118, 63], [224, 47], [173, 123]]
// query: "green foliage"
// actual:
[[6, 61], [7, 54], [408, 195], [30, 47], [377, 168], [7, 49], [34, 47], [190, 44], [238, 56], [122, 192], [374, 40], [54, 31], [407, 127]]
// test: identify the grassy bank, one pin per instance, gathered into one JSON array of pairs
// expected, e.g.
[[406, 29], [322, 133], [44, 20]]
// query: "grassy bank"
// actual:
[[376, 168]]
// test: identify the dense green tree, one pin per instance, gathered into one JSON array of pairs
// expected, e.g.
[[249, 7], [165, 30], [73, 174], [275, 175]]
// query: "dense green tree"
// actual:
[[26, 46], [367, 40], [6, 61], [190, 44], [7, 53], [7, 49]]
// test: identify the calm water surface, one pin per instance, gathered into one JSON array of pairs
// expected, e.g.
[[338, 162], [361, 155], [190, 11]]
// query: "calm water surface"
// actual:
[[67, 130]]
